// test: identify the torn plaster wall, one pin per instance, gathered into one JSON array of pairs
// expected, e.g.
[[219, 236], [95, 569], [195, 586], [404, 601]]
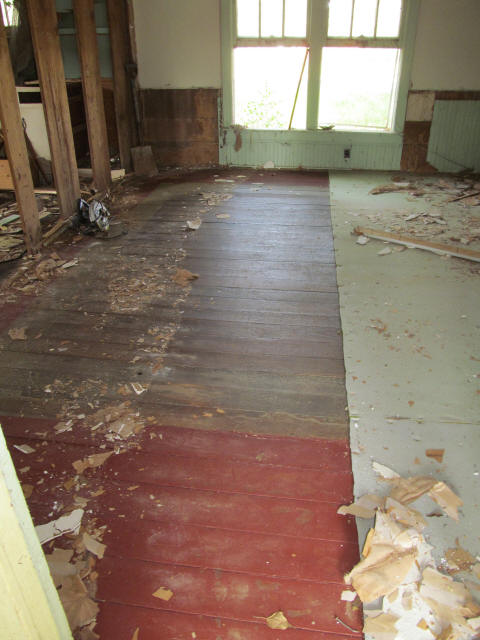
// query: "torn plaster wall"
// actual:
[[178, 47], [178, 43], [447, 47]]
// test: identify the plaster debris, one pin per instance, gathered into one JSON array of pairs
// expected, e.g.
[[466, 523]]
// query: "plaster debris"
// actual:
[[397, 567], [363, 240], [384, 252], [24, 448], [18, 333], [163, 594], [184, 278], [92, 545], [79, 608], [91, 462], [56, 528], [194, 225], [278, 621]]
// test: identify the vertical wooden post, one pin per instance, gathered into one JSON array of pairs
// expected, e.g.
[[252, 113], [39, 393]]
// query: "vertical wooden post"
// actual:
[[16, 147], [92, 92], [48, 56], [122, 92]]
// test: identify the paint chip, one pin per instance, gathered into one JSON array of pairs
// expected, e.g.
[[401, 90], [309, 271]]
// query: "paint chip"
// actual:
[[163, 594]]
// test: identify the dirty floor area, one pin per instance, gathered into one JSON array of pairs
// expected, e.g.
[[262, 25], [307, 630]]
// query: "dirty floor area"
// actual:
[[411, 322], [180, 390]]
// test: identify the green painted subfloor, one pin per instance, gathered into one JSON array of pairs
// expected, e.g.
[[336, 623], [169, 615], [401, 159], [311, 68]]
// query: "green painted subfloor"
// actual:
[[411, 324]]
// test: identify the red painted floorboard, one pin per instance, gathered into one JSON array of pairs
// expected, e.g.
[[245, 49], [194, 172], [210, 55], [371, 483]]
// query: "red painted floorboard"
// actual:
[[121, 622], [237, 526]]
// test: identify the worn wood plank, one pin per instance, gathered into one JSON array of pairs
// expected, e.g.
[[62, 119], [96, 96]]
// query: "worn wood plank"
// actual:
[[13, 136], [92, 92], [48, 58]]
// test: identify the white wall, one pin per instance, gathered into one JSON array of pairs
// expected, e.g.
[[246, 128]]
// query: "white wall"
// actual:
[[447, 50], [178, 43]]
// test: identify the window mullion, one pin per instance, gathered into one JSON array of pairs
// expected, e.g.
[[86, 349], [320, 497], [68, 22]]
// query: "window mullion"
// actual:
[[283, 20], [351, 18], [317, 38], [259, 18]]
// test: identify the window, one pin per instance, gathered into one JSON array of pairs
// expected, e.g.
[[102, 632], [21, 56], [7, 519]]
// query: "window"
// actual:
[[8, 12], [270, 64], [316, 63]]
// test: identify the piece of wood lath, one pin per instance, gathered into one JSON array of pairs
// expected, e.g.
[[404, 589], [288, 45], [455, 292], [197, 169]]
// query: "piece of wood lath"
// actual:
[[412, 241]]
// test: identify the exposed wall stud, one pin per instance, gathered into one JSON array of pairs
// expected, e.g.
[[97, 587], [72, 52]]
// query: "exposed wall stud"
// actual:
[[16, 147]]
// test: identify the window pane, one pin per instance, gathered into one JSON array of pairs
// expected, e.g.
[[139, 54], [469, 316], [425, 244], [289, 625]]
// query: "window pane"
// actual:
[[272, 16], [364, 18], [389, 13], [357, 86], [247, 18], [265, 83], [296, 18], [339, 18]]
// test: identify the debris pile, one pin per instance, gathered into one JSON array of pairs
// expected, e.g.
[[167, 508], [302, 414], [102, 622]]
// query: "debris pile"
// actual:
[[397, 576], [73, 569]]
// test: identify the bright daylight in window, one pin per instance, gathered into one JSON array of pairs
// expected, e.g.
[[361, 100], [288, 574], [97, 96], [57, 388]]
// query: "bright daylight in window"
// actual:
[[360, 56]]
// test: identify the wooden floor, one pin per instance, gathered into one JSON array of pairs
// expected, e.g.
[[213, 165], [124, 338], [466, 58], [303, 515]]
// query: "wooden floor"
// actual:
[[240, 525]]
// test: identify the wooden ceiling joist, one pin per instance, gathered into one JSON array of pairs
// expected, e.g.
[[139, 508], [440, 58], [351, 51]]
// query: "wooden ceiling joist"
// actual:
[[16, 148], [92, 92], [43, 26]]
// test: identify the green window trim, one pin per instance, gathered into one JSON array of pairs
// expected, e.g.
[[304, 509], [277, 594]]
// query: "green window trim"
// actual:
[[317, 39]]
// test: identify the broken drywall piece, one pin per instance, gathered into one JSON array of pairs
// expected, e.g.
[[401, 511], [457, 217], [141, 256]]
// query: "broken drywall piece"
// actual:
[[382, 571], [163, 594], [381, 627], [278, 621], [92, 545], [384, 252], [56, 528], [138, 388], [385, 472], [348, 596], [79, 608], [24, 448], [90, 462], [194, 225], [406, 490], [17, 333], [362, 240], [364, 507], [446, 499]]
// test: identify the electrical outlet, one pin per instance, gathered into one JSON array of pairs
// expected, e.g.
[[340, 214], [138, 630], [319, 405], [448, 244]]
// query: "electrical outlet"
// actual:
[[346, 154]]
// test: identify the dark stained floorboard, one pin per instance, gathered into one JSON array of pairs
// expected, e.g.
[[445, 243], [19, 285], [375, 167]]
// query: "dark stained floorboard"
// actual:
[[229, 495]]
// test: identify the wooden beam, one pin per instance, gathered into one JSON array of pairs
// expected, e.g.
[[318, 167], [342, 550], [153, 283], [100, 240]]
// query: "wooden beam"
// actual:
[[43, 26], [92, 92], [416, 243], [122, 90], [16, 148]]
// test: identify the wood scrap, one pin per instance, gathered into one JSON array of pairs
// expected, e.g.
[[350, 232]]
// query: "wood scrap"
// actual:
[[183, 277], [415, 243]]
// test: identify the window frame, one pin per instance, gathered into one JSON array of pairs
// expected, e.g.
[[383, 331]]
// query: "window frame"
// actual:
[[316, 40]]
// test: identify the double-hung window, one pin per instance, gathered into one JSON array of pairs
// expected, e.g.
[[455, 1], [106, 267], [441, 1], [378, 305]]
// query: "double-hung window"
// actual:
[[316, 64]]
